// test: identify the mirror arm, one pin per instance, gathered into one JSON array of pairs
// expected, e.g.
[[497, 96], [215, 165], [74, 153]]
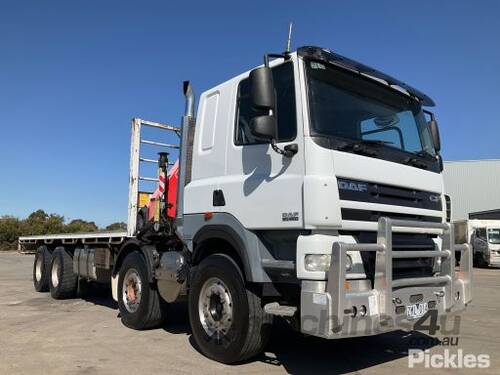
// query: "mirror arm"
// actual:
[[431, 114], [275, 55]]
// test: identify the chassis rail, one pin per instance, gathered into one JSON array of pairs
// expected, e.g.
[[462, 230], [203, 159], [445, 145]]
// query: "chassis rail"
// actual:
[[27, 244]]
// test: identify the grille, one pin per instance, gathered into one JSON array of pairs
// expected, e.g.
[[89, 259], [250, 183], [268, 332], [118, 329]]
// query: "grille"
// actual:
[[415, 298], [401, 267], [363, 191], [369, 215]]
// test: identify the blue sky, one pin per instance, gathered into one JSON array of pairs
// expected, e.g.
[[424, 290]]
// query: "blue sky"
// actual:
[[73, 74]]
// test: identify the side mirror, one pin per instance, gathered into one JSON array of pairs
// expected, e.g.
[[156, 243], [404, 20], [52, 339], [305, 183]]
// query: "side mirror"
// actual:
[[434, 130], [264, 127], [263, 99], [262, 88]]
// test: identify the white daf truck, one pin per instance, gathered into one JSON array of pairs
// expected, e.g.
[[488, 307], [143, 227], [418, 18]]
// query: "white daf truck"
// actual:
[[484, 238], [309, 188]]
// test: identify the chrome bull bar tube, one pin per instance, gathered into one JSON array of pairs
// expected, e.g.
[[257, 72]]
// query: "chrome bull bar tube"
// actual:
[[457, 286]]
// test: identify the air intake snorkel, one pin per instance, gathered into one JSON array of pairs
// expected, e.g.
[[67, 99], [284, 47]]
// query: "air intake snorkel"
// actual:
[[189, 94], [185, 155]]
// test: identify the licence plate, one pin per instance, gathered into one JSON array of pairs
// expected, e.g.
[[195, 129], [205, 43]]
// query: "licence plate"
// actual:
[[417, 310]]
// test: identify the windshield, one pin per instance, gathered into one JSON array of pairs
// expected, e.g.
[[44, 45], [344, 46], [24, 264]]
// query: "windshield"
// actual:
[[356, 109], [494, 236]]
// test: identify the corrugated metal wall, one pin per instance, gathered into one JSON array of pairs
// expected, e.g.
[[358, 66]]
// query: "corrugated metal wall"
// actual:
[[473, 185]]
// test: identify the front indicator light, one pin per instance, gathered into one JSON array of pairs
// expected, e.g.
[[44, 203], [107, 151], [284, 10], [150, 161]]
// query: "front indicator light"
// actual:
[[348, 264]]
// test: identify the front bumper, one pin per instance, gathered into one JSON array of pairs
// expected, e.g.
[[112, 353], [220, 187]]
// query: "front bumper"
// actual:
[[331, 309]]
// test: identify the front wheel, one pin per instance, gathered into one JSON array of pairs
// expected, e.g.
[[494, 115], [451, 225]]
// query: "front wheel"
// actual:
[[227, 320]]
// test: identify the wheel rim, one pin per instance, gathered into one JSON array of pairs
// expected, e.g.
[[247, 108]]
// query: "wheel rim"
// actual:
[[55, 272], [38, 268], [132, 290], [215, 307]]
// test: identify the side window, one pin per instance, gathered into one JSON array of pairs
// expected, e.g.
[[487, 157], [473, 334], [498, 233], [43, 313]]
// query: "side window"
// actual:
[[209, 121], [285, 107]]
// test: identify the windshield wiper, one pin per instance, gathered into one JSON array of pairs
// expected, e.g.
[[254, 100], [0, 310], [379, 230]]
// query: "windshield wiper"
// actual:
[[414, 162], [425, 154], [358, 147]]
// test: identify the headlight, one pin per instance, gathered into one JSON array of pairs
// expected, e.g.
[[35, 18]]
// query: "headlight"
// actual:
[[321, 262], [317, 262]]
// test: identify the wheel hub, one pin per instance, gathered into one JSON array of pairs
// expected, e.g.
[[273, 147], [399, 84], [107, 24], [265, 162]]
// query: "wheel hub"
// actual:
[[215, 307], [38, 268], [132, 290], [55, 272]]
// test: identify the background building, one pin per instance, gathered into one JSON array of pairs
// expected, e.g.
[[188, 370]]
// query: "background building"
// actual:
[[473, 185]]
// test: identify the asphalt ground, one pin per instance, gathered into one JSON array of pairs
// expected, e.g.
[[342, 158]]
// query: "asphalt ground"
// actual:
[[39, 335]]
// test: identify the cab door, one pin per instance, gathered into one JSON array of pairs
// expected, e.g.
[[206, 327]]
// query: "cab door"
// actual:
[[262, 188]]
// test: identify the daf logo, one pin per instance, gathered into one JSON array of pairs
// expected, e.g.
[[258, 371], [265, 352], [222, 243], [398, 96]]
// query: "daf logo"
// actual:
[[434, 198], [353, 186]]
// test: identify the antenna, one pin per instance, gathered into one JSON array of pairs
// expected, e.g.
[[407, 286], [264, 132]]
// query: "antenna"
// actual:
[[289, 40]]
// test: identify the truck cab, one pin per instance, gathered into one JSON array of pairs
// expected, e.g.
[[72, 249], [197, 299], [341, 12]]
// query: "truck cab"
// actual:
[[362, 149]]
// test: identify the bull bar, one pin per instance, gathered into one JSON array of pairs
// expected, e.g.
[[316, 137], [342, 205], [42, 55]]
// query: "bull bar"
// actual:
[[449, 290]]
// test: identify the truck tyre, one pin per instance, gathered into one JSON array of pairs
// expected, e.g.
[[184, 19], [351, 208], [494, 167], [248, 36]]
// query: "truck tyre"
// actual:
[[227, 320], [479, 261], [62, 280], [82, 287], [139, 302], [41, 267]]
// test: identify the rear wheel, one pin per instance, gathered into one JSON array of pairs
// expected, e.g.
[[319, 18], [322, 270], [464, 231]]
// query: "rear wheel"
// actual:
[[227, 320], [62, 280], [140, 304], [83, 287], [41, 267]]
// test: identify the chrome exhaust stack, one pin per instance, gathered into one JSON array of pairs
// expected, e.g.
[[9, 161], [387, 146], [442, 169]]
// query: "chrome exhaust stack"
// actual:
[[186, 154]]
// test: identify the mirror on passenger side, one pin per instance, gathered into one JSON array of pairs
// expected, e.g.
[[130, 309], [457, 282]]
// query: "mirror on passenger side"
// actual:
[[434, 130]]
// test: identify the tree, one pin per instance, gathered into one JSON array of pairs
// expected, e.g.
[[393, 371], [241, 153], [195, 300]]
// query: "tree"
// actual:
[[79, 225], [117, 226], [39, 222], [10, 230]]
